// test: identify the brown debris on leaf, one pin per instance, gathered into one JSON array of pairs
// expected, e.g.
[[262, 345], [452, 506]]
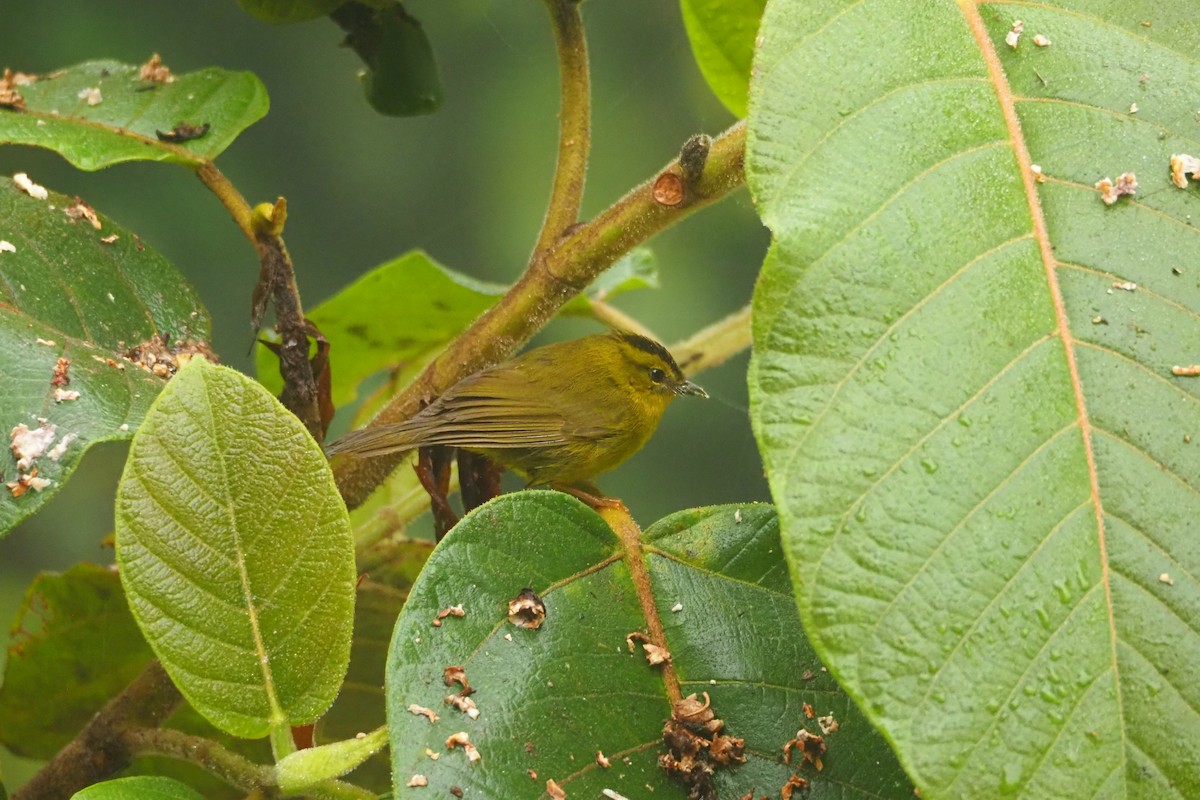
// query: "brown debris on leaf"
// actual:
[[61, 375], [1111, 191], [81, 210], [417, 780], [1013, 37], [828, 724], [26, 185], [656, 654], [464, 704], [27, 445], [155, 71], [811, 746], [696, 748], [155, 356], [554, 791], [91, 95], [10, 96], [1183, 165], [527, 610], [455, 674], [462, 701], [182, 132], [422, 711], [602, 759], [463, 740], [793, 783], [27, 481], [452, 611]]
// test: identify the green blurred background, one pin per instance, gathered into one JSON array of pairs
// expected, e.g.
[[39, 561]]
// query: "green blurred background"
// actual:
[[467, 183]]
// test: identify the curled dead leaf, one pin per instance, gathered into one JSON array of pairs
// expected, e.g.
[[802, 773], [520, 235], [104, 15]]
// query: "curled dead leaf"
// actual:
[[422, 711], [452, 611], [793, 784], [463, 740], [527, 610]]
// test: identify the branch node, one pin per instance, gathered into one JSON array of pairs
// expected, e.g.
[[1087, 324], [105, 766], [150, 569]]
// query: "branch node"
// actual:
[[268, 218], [693, 156]]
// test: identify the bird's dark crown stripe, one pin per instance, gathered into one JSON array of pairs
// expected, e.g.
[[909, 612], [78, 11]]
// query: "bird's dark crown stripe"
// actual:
[[652, 347]]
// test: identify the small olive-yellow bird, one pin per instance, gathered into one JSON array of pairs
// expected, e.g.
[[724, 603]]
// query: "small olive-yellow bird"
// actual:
[[557, 415]]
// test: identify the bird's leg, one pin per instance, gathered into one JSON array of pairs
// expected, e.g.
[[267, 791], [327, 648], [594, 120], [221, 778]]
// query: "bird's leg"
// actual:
[[478, 479], [433, 471], [589, 494]]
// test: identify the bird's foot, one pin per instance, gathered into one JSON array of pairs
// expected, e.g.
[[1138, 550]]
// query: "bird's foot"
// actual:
[[592, 497]]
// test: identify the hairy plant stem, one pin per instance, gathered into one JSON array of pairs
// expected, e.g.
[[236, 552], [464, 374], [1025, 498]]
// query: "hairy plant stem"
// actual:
[[574, 132], [614, 317], [101, 748], [714, 345], [234, 769], [551, 279]]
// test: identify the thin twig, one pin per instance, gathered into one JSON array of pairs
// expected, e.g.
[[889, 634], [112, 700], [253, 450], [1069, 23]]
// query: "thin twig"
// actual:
[[574, 131], [580, 256], [715, 344], [226, 765], [614, 317]]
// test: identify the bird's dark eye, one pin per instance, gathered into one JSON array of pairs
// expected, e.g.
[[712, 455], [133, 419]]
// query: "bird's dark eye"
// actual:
[[657, 375]]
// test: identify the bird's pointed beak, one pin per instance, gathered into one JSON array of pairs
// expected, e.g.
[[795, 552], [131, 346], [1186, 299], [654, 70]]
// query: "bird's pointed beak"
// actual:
[[687, 387]]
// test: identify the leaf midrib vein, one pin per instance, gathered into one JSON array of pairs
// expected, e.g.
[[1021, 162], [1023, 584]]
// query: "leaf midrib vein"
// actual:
[[264, 665], [1007, 103]]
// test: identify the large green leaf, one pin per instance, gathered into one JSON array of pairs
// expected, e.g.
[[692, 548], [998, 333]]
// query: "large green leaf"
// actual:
[[75, 641], [550, 698], [65, 294], [981, 454], [235, 553], [121, 120], [722, 35]]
